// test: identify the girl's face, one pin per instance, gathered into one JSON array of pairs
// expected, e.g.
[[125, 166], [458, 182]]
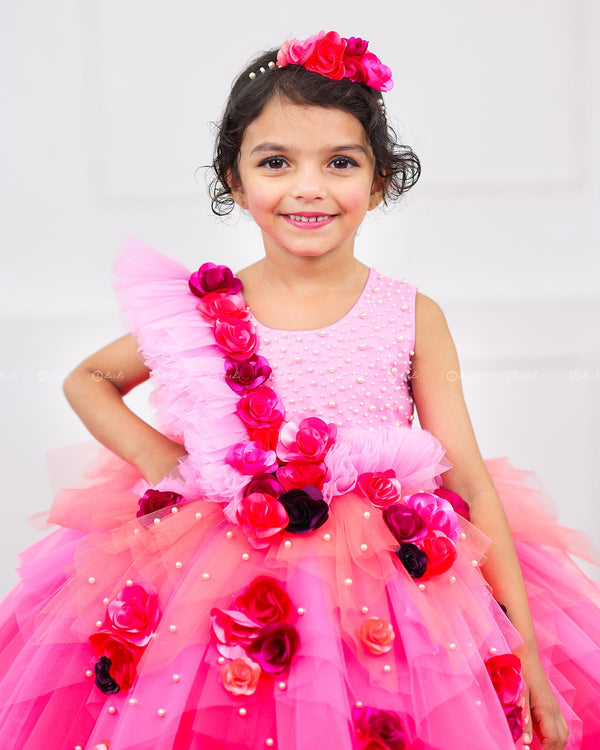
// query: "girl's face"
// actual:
[[306, 174]]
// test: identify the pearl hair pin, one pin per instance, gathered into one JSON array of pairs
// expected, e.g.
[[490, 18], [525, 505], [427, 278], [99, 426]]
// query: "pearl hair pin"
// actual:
[[252, 75]]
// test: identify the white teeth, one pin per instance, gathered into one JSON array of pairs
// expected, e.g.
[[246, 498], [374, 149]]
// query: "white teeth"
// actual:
[[308, 218]]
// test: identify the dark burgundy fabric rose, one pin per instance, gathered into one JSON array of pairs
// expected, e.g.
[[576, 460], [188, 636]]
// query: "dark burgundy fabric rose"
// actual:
[[104, 682], [413, 559], [261, 407], [405, 523], [274, 647], [122, 655], [456, 501], [265, 601], [134, 614], [306, 509], [212, 278], [266, 484], [376, 724], [156, 501], [514, 717], [244, 375]]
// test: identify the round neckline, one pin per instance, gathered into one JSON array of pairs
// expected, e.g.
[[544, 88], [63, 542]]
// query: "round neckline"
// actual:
[[321, 328]]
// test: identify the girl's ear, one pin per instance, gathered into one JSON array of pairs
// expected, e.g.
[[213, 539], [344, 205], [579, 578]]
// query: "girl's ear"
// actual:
[[237, 190], [377, 192]]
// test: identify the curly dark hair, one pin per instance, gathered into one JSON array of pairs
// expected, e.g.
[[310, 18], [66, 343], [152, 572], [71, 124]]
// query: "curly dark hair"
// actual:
[[397, 165]]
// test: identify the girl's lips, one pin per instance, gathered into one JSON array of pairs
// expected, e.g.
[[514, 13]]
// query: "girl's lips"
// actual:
[[309, 220]]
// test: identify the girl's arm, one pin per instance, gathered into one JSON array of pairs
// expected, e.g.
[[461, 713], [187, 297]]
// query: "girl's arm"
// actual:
[[438, 396], [95, 390]]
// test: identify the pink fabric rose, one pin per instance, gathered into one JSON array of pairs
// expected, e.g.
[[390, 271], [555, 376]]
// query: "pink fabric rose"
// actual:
[[261, 407], [264, 601], [134, 614], [251, 458], [308, 441], [355, 49], [236, 337], [293, 51], [299, 474], [244, 375], [377, 635], [456, 501], [261, 517], [437, 513], [216, 305], [274, 647], [377, 75], [233, 630], [240, 676], [212, 278], [381, 487]]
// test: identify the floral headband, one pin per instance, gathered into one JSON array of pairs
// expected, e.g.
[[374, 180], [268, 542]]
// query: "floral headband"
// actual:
[[336, 58]]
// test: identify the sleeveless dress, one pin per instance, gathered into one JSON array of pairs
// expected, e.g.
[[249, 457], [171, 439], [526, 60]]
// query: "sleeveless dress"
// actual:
[[187, 624]]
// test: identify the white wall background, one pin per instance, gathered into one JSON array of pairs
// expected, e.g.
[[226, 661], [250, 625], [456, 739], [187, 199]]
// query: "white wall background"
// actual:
[[106, 112]]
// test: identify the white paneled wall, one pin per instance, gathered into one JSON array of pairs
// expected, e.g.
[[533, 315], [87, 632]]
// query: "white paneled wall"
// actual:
[[106, 126]]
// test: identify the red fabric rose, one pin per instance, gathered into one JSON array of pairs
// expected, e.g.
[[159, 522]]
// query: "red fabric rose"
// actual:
[[233, 630], [236, 336], [505, 673], [212, 278], [251, 458], [134, 614], [261, 516], [441, 554], [274, 647], [381, 487], [325, 57], [267, 437], [123, 656], [216, 305], [261, 407], [310, 440], [297, 474], [265, 601]]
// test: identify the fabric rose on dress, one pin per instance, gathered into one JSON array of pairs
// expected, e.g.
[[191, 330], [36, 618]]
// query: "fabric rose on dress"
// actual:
[[251, 458], [123, 657], [261, 407], [240, 676], [514, 718], [244, 375], [274, 647], [104, 682], [236, 337], [306, 509], [216, 305], [265, 483], [455, 501], [405, 523], [212, 278], [373, 724], [298, 474], [307, 441], [441, 554], [377, 635], [261, 516], [381, 487], [438, 513], [154, 501], [505, 672], [134, 614], [233, 630], [264, 601], [413, 559]]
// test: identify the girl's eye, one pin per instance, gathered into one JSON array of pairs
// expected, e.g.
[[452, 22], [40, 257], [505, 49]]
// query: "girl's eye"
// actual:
[[343, 162], [273, 162]]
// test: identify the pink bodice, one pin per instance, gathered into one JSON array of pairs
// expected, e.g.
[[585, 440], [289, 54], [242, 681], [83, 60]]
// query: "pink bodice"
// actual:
[[356, 371]]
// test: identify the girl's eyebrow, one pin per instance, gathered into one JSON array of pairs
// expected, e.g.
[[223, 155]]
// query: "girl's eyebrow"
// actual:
[[268, 146]]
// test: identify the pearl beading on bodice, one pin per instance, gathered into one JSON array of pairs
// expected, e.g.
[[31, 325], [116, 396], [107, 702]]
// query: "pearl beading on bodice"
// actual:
[[355, 372]]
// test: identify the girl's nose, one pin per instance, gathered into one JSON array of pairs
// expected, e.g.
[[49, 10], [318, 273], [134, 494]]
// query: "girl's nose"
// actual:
[[309, 183]]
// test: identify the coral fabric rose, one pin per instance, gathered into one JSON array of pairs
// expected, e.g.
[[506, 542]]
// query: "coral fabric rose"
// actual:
[[236, 336], [251, 458], [413, 559], [441, 554], [265, 483], [377, 635], [233, 630], [298, 474], [373, 724], [274, 647], [260, 407], [405, 523], [134, 614], [438, 513], [456, 501], [381, 487], [154, 501], [261, 516], [123, 657], [240, 676], [505, 673], [307, 441], [244, 375], [216, 305], [264, 601], [212, 278], [306, 509]]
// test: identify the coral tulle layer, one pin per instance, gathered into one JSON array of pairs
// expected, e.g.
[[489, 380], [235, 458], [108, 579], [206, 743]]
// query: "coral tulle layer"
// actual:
[[437, 680]]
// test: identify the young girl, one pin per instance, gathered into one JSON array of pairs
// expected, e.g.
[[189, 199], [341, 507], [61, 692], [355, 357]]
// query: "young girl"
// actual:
[[284, 563]]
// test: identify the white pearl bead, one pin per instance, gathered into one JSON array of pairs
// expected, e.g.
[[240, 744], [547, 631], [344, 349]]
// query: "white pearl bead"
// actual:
[[112, 710], [88, 673], [287, 544], [348, 581], [474, 563], [174, 510], [229, 534], [99, 623], [422, 587], [269, 742], [364, 609], [173, 628], [105, 600], [493, 650], [157, 520], [358, 704], [301, 610], [198, 516], [452, 579], [161, 712], [91, 579], [242, 711], [205, 576], [363, 548], [179, 564], [176, 678], [129, 582], [367, 514], [462, 535], [452, 646], [327, 537], [282, 685], [387, 668], [132, 701], [136, 531], [245, 556]]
